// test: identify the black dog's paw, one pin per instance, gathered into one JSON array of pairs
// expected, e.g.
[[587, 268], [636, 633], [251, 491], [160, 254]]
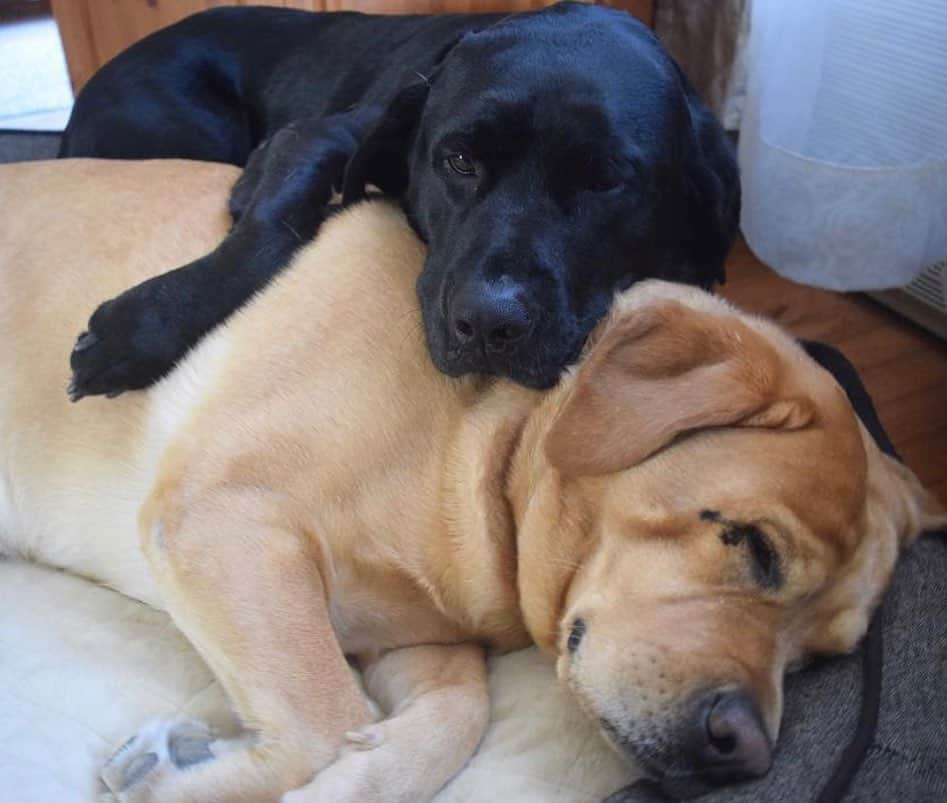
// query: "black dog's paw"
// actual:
[[291, 176], [126, 347]]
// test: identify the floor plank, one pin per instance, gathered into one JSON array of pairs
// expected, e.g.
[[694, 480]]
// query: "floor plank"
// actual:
[[903, 366]]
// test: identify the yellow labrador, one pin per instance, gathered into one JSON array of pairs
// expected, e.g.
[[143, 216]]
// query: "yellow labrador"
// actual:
[[691, 510]]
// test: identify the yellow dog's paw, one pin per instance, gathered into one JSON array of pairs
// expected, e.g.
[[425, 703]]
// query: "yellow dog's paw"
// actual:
[[160, 749], [356, 776]]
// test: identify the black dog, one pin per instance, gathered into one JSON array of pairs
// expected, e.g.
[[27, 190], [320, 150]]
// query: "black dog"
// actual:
[[547, 158]]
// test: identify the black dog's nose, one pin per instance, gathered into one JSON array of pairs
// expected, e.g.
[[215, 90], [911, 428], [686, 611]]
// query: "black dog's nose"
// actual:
[[730, 739], [489, 313]]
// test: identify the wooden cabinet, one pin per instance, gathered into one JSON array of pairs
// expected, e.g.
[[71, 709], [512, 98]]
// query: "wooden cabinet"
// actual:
[[93, 31]]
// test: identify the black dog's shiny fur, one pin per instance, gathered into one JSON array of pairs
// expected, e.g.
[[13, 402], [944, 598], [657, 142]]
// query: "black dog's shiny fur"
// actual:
[[547, 158]]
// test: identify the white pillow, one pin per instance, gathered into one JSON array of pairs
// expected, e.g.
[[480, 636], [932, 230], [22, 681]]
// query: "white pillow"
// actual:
[[83, 667]]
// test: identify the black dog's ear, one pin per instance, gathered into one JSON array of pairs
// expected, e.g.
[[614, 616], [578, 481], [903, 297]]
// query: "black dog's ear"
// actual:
[[382, 156], [713, 193]]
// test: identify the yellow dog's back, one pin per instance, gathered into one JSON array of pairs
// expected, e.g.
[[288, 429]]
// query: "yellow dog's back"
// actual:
[[319, 378], [71, 234]]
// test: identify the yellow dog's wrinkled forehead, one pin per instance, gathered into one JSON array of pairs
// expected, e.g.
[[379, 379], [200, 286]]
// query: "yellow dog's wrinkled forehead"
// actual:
[[673, 362]]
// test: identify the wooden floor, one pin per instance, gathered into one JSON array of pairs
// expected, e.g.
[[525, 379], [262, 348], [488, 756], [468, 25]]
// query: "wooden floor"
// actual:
[[903, 367]]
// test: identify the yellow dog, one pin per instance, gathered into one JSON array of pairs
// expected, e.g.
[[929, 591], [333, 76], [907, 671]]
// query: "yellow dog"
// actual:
[[691, 510]]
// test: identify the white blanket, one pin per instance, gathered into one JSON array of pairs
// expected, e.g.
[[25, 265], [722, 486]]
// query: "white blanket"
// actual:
[[82, 668]]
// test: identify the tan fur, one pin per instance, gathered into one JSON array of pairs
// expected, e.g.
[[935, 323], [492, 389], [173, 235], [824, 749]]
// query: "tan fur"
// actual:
[[308, 486]]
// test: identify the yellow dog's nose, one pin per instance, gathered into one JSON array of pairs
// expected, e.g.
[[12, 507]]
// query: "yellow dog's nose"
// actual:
[[730, 740]]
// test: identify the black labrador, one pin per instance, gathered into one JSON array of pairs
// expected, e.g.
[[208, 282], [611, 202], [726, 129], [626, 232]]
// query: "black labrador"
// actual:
[[547, 158]]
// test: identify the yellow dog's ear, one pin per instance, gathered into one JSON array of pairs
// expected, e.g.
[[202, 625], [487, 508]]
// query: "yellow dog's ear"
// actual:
[[660, 371], [897, 500], [897, 510]]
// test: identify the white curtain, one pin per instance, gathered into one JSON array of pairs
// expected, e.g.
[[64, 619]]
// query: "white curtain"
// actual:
[[843, 143]]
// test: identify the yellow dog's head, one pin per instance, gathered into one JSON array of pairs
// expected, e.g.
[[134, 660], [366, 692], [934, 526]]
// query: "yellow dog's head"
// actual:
[[701, 511]]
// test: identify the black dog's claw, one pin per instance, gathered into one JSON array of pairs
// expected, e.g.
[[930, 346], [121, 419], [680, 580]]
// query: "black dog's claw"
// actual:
[[86, 340], [123, 348], [73, 391]]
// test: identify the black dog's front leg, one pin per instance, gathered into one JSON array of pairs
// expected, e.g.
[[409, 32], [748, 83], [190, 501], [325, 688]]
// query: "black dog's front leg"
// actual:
[[278, 204]]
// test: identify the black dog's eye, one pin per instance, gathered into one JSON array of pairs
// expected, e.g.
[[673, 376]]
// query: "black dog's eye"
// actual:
[[462, 164], [575, 635], [596, 172], [767, 568], [603, 182]]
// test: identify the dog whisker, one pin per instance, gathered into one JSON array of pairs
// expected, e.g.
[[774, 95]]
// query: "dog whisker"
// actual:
[[294, 232]]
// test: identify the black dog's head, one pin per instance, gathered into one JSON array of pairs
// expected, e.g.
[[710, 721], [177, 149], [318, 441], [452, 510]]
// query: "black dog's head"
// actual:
[[552, 159]]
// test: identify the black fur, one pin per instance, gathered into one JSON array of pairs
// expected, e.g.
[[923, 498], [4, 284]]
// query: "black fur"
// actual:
[[594, 165]]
